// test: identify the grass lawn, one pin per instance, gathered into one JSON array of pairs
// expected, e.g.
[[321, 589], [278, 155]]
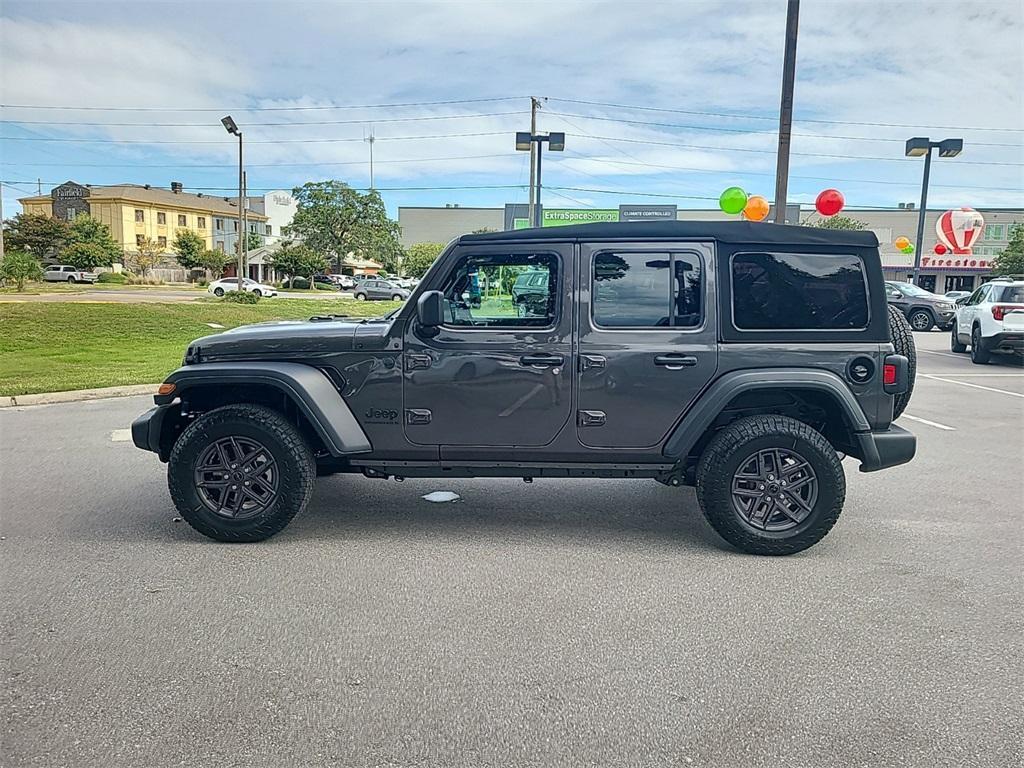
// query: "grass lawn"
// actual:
[[33, 287], [57, 346]]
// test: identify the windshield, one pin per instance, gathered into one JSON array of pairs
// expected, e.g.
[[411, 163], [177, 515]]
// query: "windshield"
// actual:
[[912, 290]]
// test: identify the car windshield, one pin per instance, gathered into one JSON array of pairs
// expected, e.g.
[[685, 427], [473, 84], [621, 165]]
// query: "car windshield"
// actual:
[[912, 290]]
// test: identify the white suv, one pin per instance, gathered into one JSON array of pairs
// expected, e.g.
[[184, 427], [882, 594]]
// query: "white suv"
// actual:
[[990, 320]]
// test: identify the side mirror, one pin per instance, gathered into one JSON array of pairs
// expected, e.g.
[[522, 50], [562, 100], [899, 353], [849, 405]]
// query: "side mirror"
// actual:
[[430, 309], [894, 294]]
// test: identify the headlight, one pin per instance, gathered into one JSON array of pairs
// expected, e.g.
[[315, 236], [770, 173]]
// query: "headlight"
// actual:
[[945, 306]]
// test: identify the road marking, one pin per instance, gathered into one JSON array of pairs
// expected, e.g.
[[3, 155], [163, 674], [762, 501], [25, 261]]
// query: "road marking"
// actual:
[[944, 354], [121, 435], [957, 373], [929, 423], [974, 386]]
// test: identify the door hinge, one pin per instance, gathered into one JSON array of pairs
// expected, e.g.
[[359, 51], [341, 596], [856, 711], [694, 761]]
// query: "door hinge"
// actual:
[[591, 361], [416, 362], [417, 416], [590, 418]]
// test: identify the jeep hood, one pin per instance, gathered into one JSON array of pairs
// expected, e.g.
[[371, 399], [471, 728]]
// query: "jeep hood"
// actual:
[[290, 339]]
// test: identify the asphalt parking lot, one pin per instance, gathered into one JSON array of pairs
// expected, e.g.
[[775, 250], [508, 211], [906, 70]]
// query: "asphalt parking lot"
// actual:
[[559, 623]]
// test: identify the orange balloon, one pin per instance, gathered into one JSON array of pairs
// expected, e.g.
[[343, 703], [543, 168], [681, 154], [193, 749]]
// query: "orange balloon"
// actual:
[[902, 242], [756, 209]]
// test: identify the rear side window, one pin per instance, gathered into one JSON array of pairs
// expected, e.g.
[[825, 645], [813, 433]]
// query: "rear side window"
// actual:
[[798, 291], [647, 290], [1008, 293]]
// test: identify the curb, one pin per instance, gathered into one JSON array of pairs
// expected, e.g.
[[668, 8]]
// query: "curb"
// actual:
[[77, 395]]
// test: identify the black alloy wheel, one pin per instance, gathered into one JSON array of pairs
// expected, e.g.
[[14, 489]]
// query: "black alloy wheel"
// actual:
[[237, 478], [774, 489]]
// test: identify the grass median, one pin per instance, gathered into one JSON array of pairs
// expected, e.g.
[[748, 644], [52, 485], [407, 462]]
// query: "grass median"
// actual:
[[54, 347]]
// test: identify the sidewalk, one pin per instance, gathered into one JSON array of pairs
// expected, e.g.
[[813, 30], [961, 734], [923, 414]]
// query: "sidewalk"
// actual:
[[76, 395]]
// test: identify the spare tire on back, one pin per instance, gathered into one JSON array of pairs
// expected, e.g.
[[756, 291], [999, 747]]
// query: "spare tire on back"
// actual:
[[903, 343]]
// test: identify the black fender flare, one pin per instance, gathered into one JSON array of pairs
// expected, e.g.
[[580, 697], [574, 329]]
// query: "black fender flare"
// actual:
[[718, 395], [309, 388]]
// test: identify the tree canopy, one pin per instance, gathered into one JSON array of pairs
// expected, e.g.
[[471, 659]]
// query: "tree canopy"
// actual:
[[90, 244], [36, 233], [419, 257], [297, 260], [189, 249], [1010, 260], [835, 222], [335, 220], [19, 266]]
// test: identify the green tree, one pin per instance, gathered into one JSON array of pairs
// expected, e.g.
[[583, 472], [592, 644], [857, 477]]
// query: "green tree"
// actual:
[[419, 257], [36, 233], [335, 220], [834, 222], [189, 249], [1010, 260], [90, 244], [19, 266], [146, 256], [215, 261], [297, 260], [253, 240]]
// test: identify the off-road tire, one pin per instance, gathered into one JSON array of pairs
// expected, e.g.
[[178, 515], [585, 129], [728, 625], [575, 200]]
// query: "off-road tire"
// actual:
[[218, 292], [955, 345], [903, 342], [297, 471], [731, 446], [979, 355], [921, 320]]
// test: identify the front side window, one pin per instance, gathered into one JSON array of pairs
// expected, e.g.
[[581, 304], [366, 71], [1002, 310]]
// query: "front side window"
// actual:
[[647, 290], [798, 291], [503, 290]]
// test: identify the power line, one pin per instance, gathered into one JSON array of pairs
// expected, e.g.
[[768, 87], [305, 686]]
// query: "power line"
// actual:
[[249, 165], [253, 141], [748, 131], [222, 110], [250, 124], [773, 118], [273, 189]]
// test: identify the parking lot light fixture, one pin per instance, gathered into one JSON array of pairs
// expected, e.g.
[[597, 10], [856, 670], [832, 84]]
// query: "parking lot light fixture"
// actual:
[[922, 146], [525, 140]]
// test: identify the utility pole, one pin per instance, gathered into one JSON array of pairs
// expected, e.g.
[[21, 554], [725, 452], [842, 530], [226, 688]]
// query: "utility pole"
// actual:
[[245, 217], [1, 221], [370, 139], [39, 187], [534, 104], [786, 112]]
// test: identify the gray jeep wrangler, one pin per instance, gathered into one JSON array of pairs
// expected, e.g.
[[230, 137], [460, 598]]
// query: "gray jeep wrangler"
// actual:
[[744, 359]]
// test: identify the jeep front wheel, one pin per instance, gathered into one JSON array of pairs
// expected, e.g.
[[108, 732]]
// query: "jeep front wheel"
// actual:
[[770, 485], [240, 473]]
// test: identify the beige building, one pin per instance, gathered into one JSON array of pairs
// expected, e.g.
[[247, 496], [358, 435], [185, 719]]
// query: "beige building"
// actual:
[[134, 212]]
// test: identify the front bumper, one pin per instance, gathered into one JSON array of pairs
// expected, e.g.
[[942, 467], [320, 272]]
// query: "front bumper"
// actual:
[[148, 428], [945, 319], [886, 448]]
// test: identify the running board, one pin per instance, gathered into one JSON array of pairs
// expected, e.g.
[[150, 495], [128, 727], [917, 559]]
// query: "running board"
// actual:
[[526, 470]]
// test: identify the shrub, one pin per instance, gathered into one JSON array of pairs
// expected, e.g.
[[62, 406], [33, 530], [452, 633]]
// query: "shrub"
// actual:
[[300, 283], [202, 282], [240, 297], [19, 266], [130, 279], [112, 277]]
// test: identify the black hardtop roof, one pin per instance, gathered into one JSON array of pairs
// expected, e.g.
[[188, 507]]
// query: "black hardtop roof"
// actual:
[[723, 231]]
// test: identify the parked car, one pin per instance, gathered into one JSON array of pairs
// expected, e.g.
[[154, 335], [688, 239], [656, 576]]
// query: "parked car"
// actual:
[[225, 284], [376, 288], [955, 296], [64, 273], [345, 282], [923, 309], [327, 281], [739, 358], [991, 321], [530, 293]]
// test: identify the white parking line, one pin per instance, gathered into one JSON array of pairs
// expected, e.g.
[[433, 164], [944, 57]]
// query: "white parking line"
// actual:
[[973, 386], [944, 354], [929, 423], [957, 373], [120, 435]]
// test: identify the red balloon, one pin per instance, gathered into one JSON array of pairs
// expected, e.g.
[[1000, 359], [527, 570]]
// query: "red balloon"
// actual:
[[830, 202], [940, 249]]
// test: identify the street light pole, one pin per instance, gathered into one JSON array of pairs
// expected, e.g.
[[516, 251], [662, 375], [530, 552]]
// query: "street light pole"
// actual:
[[916, 147], [525, 142], [536, 206], [231, 127], [533, 158]]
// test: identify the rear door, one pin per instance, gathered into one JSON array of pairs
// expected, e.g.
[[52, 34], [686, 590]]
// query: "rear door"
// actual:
[[647, 339]]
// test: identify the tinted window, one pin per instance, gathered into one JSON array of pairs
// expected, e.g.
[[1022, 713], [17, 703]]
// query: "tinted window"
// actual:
[[647, 290], [1008, 293], [800, 291], [503, 290]]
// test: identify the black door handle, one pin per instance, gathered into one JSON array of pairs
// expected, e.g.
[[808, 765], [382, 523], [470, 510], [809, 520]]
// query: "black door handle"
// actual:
[[675, 362], [541, 360]]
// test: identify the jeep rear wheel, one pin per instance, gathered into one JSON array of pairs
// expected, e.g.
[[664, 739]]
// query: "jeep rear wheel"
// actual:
[[770, 485], [903, 342], [240, 473]]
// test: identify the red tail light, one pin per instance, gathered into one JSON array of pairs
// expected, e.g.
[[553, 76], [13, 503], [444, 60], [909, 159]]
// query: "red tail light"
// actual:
[[889, 374], [999, 310]]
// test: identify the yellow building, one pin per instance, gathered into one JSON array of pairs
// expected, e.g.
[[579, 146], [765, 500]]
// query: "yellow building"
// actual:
[[134, 212]]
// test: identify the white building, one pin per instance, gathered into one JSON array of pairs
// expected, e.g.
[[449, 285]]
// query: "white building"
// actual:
[[279, 207]]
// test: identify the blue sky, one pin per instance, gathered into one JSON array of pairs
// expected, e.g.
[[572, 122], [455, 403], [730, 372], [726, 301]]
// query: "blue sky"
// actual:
[[698, 84]]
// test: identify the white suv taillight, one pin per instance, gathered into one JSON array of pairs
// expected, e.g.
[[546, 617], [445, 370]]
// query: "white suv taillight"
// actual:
[[999, 310]]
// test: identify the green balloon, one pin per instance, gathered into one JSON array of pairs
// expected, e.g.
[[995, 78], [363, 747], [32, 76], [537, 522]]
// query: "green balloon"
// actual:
[[909, 249], [733, 200]]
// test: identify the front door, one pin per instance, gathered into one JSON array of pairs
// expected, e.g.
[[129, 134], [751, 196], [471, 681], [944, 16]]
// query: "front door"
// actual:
[[498, 372], [647, 340]]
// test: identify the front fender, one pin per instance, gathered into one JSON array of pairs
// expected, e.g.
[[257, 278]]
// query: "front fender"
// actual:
[[307, 387], [696, 421]]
